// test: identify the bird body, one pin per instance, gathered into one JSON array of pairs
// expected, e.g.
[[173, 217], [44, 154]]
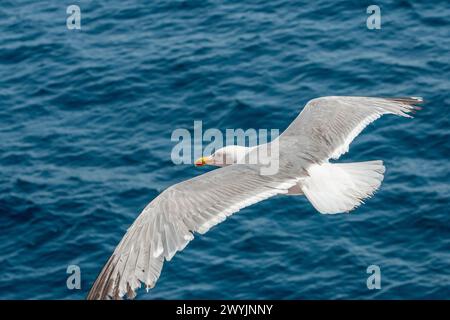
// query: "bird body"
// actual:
[[323, 131]]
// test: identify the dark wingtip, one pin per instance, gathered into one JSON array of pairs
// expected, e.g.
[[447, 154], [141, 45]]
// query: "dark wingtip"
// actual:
[[102, 284], [408, 100]]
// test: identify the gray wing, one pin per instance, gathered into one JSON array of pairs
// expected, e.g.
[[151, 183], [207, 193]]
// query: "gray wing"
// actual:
[[167, 224], [326, 126]]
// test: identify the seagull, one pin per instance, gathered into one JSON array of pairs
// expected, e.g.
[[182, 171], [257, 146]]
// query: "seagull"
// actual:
[[321, 132]]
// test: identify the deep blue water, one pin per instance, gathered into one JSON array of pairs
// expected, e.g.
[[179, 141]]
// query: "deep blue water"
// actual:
[[86, 119]]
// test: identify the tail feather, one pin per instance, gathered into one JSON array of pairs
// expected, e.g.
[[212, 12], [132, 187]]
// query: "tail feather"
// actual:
[[341, 187]]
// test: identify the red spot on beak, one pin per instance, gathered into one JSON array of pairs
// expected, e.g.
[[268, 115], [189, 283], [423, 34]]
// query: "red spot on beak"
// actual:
[[201, 161]]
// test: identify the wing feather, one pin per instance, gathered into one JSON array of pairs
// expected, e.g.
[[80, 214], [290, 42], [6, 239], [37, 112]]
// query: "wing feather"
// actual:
[[326, 126], [167, 224]]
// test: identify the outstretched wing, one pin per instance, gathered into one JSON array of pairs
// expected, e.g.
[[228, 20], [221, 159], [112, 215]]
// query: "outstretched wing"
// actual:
[[326, 126], [167, 224]]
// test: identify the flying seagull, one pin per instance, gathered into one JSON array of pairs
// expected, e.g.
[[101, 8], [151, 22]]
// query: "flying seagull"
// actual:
[[323, 131]]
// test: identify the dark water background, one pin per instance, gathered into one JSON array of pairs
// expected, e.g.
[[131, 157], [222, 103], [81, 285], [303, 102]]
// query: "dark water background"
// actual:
[[86, 119]]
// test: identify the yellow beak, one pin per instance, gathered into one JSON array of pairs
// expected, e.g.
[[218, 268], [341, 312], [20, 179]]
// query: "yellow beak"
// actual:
[[203, 160]]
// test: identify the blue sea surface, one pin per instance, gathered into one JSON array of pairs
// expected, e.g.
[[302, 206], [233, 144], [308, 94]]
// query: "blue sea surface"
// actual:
[[86, 118]]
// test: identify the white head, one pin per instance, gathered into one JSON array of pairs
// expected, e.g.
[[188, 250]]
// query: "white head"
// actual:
[[224, 156]]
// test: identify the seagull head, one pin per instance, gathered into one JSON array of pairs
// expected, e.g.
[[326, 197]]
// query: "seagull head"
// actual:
[[224, 156]]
